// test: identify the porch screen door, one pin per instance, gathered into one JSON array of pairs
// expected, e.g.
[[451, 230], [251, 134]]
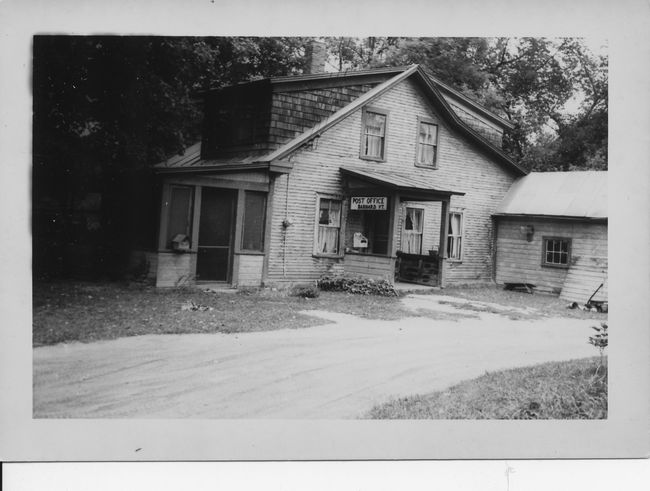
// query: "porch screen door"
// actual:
[[215, 234]]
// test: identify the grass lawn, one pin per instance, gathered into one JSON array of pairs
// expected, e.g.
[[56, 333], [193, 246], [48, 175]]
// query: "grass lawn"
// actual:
[[574, 389], [82, 311]]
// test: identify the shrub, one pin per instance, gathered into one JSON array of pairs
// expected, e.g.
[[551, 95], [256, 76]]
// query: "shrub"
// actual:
[[600, 339], [356, 285], [305, 291]]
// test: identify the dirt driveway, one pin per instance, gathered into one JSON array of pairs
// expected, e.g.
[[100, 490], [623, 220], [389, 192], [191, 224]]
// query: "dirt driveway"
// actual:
[[334, 371]]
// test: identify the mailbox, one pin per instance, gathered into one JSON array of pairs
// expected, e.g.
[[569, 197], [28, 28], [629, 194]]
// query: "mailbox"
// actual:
[[358, 240], [181, 243]]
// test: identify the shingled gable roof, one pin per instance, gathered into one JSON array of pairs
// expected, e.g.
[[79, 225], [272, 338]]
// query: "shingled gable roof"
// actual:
[[434, 96], [429, 87]]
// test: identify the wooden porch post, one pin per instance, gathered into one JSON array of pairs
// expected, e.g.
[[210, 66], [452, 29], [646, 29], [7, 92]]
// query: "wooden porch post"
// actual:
[[393, 235], [444, 230], [393, 221]]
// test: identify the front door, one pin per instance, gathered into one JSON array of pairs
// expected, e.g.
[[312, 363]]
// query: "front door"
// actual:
[[216, 234]]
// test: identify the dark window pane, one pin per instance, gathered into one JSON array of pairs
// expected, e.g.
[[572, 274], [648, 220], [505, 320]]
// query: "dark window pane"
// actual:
[[180, 212], [254, 215]]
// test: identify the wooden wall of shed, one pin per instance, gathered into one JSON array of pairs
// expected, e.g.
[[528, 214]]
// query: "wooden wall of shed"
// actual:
[[520, 261], [461, 167]]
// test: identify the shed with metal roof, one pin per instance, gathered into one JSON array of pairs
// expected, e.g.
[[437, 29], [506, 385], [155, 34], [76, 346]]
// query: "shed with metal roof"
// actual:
[[552, 233]]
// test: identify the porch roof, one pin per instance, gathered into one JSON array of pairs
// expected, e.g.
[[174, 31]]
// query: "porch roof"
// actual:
[[399, 182]]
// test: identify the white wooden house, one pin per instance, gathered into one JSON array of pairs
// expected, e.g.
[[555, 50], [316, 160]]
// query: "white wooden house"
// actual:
[[386, 173]]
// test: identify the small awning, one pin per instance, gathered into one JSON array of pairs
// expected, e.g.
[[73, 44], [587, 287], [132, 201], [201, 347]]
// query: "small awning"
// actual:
[[411, 187]]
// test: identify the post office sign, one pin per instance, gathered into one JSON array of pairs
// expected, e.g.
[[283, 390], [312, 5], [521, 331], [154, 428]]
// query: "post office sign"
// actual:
[[377, 203]]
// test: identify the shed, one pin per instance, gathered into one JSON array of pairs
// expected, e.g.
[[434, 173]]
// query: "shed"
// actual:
[[552, 233]]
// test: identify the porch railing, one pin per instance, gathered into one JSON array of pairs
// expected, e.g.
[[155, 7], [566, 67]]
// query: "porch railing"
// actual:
[[418, 268]]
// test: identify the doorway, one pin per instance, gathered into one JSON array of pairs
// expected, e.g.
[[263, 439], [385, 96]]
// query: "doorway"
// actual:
[[216, 223]]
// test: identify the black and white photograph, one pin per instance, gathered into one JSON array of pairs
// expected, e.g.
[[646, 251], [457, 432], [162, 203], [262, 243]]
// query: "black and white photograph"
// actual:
[[388, 235], [330, 228]]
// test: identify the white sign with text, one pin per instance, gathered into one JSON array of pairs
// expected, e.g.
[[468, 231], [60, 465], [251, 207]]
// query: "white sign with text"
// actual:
[[368, 203]]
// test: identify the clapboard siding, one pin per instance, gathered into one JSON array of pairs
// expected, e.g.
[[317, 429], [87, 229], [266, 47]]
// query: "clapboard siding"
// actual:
[[370, 266], [249, 269], [520, 261], [583, 279], [461, 167]]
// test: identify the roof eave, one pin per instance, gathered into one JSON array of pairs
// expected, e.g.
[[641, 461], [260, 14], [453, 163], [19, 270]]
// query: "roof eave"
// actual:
[[203, 169], [550, 217], [460, 125]]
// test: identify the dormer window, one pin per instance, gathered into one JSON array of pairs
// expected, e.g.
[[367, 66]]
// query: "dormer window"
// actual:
[[427, 144], [373, 136]]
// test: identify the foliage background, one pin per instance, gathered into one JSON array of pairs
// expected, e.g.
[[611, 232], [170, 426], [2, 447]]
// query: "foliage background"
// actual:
[[106, 108]]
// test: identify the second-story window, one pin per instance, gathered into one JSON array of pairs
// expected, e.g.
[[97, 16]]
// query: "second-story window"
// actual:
[[427, 144], [373, 137]]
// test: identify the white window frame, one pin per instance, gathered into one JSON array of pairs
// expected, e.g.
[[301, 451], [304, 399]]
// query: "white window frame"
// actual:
[[431, 122], [545, 240], [420, 232], [364, 119], [460, 236], [316, 252]]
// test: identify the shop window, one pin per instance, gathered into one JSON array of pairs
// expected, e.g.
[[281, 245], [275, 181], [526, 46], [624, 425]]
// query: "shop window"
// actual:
[[254, 217], [179, 220], [373, 137], [328, 227], [427, 146], [412, 231], [556, 252], [455, 236]]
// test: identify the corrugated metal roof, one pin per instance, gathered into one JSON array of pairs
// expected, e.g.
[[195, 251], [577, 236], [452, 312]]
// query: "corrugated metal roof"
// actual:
[[394, 181], [581, 194]]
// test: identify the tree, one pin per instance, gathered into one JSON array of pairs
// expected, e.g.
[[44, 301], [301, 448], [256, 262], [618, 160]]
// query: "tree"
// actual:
[[108, 107], [529, 81]]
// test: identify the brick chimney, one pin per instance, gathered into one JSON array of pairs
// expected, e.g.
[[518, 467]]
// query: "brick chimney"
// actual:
[[316, 55]]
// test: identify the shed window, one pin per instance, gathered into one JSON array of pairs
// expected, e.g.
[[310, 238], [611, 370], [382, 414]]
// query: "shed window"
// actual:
[[455, 236], [373, 139], [427, 144], [180, 212], [329, 226], [556, 252], [254, 217], [412, 232]]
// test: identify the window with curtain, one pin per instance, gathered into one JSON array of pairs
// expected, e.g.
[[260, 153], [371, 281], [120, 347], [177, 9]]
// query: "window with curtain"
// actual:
[[455, 236], [254, 216], [427, 144], [557, 252], [373, 142], [179, 220], [412, 231], [329, 226]]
